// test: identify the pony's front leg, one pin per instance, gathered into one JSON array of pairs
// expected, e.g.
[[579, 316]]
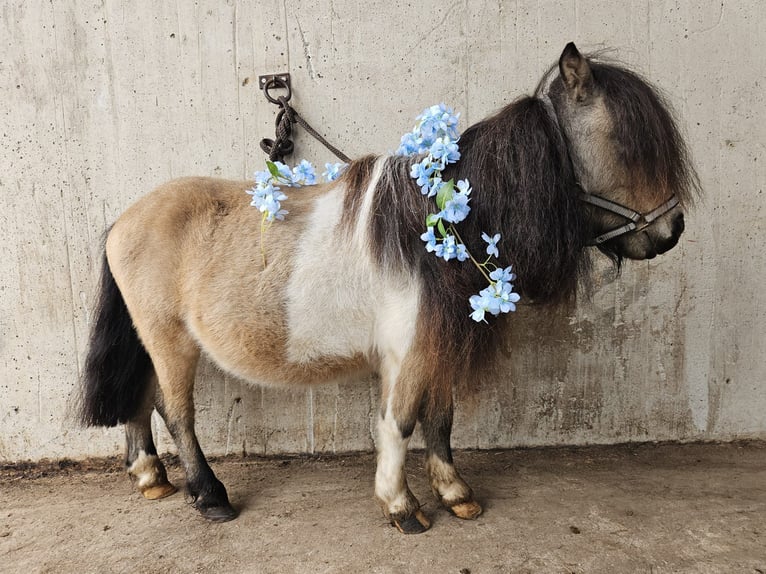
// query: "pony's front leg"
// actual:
[[396, 424], [446, 483]]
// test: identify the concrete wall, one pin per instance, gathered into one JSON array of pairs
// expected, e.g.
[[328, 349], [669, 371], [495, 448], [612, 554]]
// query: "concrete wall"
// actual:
[[101, 101]]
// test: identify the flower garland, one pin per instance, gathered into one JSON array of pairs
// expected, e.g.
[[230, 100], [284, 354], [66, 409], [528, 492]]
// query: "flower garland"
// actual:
[[435, 135], [268, 196]]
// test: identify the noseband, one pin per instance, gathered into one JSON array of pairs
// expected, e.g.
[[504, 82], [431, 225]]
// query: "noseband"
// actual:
[[637, 221]]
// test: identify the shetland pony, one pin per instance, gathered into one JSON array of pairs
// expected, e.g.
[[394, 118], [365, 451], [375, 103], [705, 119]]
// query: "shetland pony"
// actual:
[[347, 287]]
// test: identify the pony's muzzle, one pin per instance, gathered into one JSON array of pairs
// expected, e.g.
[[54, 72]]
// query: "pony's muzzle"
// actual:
[[677, 228]]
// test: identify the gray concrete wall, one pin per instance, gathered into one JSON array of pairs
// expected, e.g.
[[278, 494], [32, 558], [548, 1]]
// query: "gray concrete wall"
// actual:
[[99, 102]]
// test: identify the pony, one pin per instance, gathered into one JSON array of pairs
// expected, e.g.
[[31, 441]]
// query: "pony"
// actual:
[[344, 286]]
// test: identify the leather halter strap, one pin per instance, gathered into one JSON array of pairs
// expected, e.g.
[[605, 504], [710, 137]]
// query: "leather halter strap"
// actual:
[[637, 221]]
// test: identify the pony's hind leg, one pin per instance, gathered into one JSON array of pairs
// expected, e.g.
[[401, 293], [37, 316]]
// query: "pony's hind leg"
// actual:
[[141, 459], [175, 355], [446, 483]]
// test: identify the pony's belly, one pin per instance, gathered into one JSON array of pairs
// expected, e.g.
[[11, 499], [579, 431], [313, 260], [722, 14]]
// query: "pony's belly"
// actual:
[[318, 331], [321, 371], [257, 351]]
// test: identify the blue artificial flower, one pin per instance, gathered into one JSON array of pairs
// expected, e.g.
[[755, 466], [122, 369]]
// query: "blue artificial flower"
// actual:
[[408, 145], [480, 305], [433, 123], [508, 298], [463, 186], [333, 170], [285, 175], [432, 187], [430, 240], [445, 150], [267, 198], [262, 176], [437, 121], [503, 275], [279, 214], [478, 308], [422, 172], [447, 249], [496, 298], [491, 243], [437, 164], [462, 252], [304, 174], [492, 301], [427, 131], [266, 193], [456, 209]]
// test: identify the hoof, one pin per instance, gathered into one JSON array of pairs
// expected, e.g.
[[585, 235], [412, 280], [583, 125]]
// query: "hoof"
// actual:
[[159, 491], [466, 510], [218, 513], [415, 524]]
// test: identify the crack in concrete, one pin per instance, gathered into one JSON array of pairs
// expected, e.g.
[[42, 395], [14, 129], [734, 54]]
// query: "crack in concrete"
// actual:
[[709, 28], [306, 51]]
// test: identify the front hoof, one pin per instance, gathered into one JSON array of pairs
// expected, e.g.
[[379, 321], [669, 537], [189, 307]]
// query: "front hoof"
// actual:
[[159, 491], [222, 513], [415, 524], [466, 510]]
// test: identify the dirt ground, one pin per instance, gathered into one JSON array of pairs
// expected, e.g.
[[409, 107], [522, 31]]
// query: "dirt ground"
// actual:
[[648, 508]]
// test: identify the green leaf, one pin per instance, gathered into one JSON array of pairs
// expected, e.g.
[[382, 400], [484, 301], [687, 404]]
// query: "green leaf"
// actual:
[[432, 220], [440, 226], [273, 169], [445, 193]]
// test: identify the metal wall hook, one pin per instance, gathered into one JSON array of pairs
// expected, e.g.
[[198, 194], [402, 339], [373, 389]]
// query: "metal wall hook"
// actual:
[[275, 81]]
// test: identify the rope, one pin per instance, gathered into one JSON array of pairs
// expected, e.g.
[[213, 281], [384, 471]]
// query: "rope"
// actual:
[[281, 146]]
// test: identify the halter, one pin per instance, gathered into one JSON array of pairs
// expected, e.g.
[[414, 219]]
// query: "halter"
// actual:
[[638, 221]]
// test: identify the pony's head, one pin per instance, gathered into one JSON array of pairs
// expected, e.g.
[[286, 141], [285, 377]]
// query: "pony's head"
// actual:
[[625, 148]]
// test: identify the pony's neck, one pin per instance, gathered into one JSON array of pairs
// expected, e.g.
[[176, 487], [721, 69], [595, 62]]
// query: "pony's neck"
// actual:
[[524, 188]]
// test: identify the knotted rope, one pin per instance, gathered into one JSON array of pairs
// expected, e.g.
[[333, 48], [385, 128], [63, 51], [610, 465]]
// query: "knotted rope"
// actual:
[[282, 145]]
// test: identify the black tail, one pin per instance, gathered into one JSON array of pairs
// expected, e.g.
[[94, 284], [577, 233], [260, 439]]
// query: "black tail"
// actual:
[[117, 367]]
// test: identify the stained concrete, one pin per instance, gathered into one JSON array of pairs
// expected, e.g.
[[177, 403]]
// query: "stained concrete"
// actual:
[[695, 509], [100, 102]]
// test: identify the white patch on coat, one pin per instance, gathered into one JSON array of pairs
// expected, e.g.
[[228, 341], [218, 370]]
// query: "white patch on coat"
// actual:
[[362, 226], [390, 482], [329, 303], [339, 302], [395, 329], [145, 470], [445, 481]]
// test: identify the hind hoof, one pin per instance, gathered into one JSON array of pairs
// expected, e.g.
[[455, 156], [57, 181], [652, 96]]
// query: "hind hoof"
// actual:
[[159, 491], [466, 510], [218, 513], [415, 524]]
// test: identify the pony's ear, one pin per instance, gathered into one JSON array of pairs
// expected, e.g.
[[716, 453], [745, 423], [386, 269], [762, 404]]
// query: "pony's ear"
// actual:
[[575, 72]]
